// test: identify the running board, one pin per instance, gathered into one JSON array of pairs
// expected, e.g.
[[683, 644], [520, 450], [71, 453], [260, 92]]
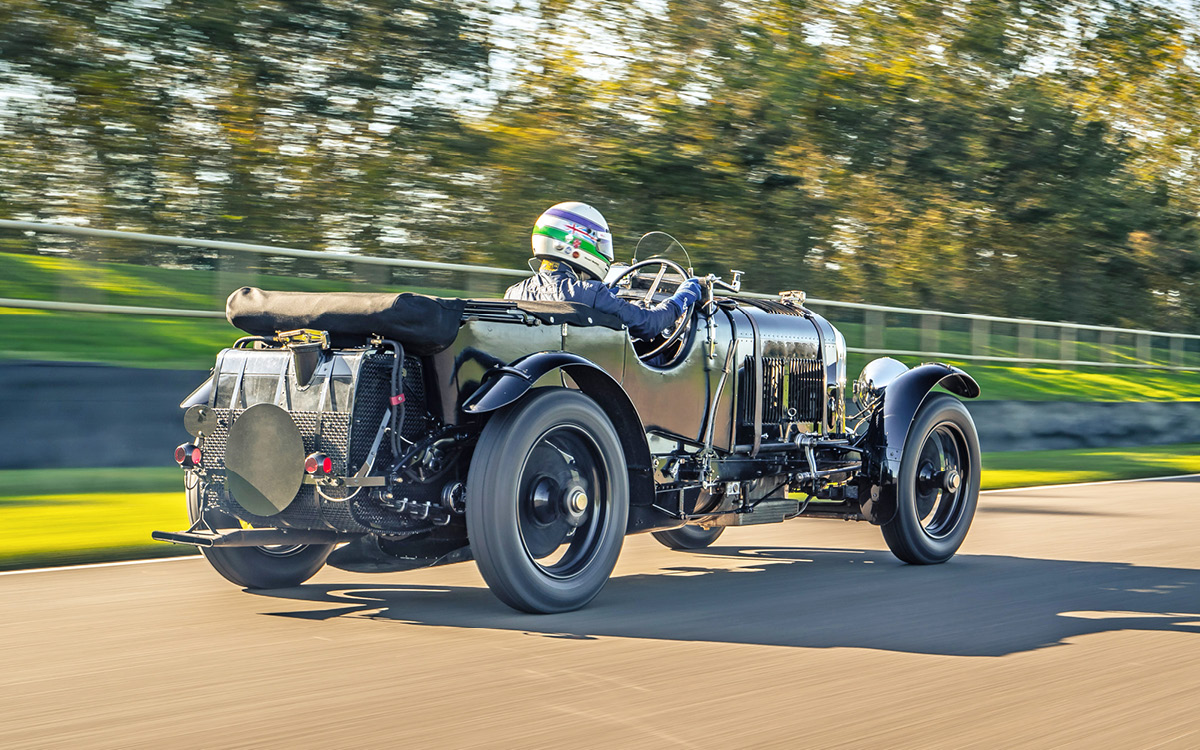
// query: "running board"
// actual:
[[249, 537]]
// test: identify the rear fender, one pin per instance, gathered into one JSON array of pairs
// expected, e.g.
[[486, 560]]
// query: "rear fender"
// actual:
[[904, 396], [505, 385]]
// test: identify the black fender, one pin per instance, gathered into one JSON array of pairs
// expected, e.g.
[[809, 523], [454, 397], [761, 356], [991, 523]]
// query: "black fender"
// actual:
[[904, 396], [505, 384]]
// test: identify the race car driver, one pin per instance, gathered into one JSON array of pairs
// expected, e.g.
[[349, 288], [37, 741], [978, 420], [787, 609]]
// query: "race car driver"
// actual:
[[572, 250]]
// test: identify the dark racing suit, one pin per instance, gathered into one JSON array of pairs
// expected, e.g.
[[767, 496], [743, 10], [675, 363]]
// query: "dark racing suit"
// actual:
[[562, 284]]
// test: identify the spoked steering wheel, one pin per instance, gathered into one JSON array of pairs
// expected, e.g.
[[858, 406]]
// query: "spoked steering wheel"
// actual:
[[664, 265]]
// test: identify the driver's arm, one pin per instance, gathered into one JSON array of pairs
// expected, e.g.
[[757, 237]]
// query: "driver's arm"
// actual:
[[644, 322]]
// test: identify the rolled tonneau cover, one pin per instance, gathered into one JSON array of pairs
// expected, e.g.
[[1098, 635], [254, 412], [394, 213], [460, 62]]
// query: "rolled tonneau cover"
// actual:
[[546, 311], [424, 325]]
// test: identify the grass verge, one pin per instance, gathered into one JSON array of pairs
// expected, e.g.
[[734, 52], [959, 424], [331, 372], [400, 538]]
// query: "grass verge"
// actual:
[[1053, 384], [71, 516], [189, 343], [1031, 468]]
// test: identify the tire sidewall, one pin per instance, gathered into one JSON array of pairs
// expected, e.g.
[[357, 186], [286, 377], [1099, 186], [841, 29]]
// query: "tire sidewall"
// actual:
[[252, 567], [493, 503], [937, 409]]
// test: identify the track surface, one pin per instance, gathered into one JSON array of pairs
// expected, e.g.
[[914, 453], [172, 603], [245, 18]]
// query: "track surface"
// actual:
[[1071, 618]]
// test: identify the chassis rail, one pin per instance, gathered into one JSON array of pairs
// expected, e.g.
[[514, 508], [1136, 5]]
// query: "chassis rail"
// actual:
[[250, 537]]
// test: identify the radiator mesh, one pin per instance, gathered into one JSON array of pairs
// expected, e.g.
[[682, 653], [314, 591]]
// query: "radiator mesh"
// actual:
[[371, 400], [791, 390]]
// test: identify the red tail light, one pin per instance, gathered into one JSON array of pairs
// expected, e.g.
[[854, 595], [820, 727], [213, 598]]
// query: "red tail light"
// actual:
[[187, 455], [318, 464]]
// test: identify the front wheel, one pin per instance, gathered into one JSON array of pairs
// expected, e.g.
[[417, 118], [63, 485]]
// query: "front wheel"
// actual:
[[548, 501], [938, 485], [273, 567]]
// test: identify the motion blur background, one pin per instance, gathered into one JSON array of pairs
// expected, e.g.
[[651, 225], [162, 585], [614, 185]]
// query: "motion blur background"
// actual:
[[1024, 159]]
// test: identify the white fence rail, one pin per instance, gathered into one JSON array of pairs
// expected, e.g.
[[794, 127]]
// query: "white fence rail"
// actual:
[[870, 329]]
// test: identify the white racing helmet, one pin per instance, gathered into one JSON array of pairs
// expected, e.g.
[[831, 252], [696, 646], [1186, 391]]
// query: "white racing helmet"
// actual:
[[575, 233]]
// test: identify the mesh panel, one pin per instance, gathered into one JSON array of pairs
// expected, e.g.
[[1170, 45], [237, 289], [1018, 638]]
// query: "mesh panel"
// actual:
[[307, 511], [371, 400], [347, 440]]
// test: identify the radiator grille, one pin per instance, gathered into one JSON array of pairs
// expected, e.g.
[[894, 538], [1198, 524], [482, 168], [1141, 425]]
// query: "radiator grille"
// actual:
[[791, 390]]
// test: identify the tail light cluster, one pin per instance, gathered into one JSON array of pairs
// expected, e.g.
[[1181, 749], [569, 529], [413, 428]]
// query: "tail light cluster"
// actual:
[[187, 455], [318, 464]]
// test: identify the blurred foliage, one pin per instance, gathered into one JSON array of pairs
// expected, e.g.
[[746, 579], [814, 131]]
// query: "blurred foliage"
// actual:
[[1016, 157]]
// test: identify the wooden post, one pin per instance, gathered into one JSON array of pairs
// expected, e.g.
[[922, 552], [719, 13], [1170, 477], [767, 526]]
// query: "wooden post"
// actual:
[[485, 285], [980, 333], [874, 325], [1066, 345], [234, 271], [373, 276], [1108, 340], [1026, 340], [1143, 347], [930, 333]]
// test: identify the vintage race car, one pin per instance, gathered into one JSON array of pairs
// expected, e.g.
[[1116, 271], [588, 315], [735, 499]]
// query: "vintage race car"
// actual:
[[377, 432]]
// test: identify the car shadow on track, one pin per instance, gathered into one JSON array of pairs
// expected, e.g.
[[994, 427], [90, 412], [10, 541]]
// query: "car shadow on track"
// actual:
[[975, 605]]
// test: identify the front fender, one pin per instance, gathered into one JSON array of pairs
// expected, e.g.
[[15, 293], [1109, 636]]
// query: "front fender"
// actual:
[[904, 396], [503, 385]]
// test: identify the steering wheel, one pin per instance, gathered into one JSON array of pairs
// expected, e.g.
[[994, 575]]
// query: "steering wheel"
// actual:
[[664, 265]]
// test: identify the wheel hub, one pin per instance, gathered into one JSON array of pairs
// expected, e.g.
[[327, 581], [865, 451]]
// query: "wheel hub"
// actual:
[[951, 480], [562, 502], [932, 480], [575, 505]]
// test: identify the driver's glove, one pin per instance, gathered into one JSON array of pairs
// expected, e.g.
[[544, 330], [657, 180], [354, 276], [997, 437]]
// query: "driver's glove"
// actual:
[[687, 294]]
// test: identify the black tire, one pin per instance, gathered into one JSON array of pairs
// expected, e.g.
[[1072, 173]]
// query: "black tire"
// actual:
[[688, 537], [934, 512], [258, 567], [533, 461]]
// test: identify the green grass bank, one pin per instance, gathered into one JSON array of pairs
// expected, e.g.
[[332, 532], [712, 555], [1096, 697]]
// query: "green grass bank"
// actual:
[[190, 343]]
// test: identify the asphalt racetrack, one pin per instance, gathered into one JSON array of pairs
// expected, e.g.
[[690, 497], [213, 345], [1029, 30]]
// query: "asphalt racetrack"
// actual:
[[1071, 618]]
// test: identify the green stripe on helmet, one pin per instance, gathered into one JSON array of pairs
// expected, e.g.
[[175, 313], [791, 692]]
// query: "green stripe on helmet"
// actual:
[[585, 244]]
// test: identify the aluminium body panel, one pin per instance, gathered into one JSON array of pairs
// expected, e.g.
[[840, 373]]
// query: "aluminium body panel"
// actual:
[[675, 401], [481, 345]]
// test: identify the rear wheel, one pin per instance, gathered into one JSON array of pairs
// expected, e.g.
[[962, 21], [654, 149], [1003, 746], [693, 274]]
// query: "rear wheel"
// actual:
[[274, 567], [938, 485], [688, 537], [548, 501]]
